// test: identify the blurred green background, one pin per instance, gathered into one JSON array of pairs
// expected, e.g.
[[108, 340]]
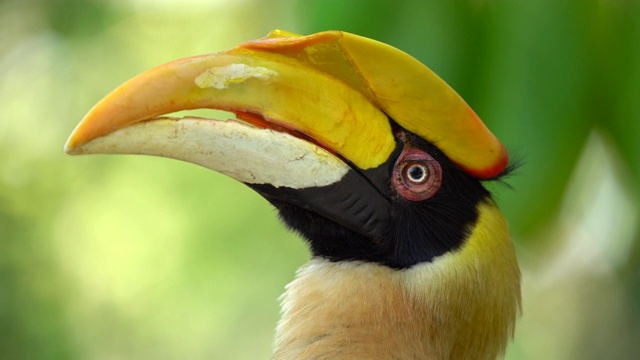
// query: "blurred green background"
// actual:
[[123, 257]]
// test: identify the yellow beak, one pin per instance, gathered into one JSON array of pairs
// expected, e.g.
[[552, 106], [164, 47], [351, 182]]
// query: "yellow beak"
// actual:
[[335, 89]]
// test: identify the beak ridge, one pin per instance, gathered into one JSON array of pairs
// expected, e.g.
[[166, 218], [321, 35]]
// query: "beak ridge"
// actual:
[[335, 88]]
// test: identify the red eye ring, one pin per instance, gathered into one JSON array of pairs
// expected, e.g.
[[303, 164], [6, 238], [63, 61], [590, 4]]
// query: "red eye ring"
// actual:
[[417, 175]]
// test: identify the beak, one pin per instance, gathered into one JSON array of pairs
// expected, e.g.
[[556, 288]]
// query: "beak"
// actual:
[[262, 88], [312, 121]]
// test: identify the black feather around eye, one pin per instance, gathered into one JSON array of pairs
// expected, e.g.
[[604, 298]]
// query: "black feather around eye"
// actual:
[[410, 232], [424, 230]]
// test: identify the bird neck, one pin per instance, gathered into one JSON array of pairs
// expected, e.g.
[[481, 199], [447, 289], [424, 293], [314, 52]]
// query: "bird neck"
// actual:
[[458, 306]]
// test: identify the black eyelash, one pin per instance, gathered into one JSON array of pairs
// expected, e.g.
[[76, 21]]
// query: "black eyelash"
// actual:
[[511, 170]]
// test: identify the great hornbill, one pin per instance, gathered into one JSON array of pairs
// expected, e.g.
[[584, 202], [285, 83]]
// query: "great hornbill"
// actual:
[[373, 159]]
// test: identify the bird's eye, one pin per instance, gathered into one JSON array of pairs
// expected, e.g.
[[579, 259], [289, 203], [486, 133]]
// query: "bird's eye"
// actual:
[[417, 175]]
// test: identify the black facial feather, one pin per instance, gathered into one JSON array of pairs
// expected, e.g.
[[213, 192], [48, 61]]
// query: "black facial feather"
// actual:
[[422, 230], [412, 232]]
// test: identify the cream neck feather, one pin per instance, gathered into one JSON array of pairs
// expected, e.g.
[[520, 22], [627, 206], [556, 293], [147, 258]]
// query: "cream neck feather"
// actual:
[[463, 305]]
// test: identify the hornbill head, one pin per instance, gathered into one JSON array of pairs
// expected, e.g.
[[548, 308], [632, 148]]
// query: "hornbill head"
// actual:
[[363, 150]]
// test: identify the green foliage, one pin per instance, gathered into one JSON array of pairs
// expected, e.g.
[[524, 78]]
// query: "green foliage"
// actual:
[[117, 257]]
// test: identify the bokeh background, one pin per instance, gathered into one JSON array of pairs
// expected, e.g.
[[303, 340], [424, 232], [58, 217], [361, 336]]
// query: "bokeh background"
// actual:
[[123, 257]]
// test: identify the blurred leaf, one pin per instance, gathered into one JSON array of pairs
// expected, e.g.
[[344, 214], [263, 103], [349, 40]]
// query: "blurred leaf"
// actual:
[[79, 18], [535, 102], [117, 257], [614, 104], [371, 18], [616, 88], [32, 318]]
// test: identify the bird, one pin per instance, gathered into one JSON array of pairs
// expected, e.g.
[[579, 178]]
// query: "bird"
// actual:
[[374, 160]]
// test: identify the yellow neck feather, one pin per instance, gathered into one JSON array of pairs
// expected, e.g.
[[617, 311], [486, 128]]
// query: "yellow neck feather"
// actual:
[[462, 305]]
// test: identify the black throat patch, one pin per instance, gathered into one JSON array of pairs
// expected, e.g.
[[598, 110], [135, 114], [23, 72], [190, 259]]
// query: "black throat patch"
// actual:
[[382, 226]]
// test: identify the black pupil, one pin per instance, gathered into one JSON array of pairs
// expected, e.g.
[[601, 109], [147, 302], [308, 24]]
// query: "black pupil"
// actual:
[[416, 173]]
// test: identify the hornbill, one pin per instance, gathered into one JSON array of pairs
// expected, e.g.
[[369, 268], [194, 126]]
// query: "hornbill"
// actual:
[[367, 154]]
